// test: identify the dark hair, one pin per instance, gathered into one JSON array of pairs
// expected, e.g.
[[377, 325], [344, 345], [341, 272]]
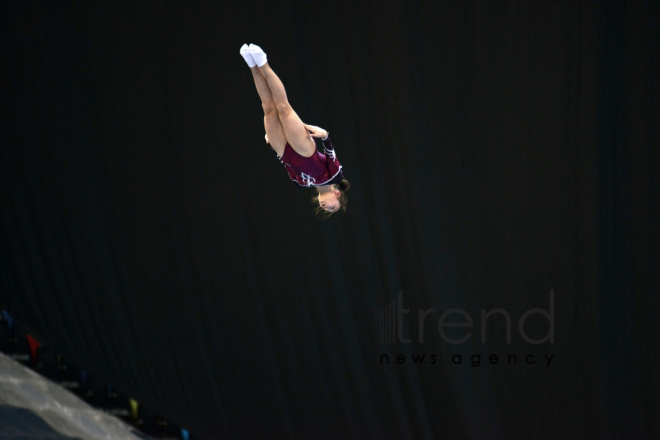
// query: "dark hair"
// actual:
[[343, 200]]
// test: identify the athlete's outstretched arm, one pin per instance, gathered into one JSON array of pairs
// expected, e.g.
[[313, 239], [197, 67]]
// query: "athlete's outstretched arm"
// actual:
[[316, 132]]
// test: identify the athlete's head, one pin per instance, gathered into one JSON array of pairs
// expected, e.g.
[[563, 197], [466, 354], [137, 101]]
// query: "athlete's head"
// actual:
[[331, 199]]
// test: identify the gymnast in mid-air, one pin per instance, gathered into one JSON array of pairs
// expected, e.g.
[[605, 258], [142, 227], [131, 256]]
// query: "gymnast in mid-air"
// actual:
[[293, 141]]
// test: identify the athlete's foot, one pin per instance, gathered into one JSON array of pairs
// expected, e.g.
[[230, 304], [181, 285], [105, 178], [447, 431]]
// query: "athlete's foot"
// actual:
[[247, 56], [258, 55]]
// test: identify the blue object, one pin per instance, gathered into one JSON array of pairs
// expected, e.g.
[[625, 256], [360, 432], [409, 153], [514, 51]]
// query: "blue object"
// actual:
[[185, 435], [8, 318]]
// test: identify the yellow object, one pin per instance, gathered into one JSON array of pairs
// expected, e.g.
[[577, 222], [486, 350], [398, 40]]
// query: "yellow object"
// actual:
[[134, 408]]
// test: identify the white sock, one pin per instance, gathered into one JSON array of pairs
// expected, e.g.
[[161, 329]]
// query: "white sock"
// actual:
[[247, 56], [258, 55]]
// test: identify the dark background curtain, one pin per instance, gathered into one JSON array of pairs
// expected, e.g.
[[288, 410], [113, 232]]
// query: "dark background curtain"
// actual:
[[497, 151]]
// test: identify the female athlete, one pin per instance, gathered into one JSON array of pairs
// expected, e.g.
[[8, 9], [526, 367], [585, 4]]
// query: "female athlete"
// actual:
[[293, 141]]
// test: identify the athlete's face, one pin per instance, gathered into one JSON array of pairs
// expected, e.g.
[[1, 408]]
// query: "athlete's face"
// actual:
[[329, 201]]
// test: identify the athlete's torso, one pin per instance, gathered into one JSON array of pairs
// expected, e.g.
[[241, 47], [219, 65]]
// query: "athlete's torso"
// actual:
[[321, 168]]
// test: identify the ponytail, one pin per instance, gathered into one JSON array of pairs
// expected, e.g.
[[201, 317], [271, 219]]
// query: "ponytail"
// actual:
[[343, 185]]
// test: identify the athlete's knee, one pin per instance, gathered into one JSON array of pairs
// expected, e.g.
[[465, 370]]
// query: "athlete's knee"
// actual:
[[283, 108], [269, 108]]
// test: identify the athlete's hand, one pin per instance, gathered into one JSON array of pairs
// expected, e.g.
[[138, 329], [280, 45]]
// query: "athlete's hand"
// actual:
[[315, 131], [266, 137]]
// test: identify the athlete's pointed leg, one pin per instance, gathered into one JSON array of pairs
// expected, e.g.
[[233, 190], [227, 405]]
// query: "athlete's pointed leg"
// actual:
[[294, 129], [272, 123]]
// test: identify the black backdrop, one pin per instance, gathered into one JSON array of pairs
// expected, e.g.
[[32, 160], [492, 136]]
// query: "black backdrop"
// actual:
[[497, 151]]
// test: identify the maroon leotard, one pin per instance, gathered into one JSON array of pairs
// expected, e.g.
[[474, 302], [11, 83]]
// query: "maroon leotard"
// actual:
[[321, 168]]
